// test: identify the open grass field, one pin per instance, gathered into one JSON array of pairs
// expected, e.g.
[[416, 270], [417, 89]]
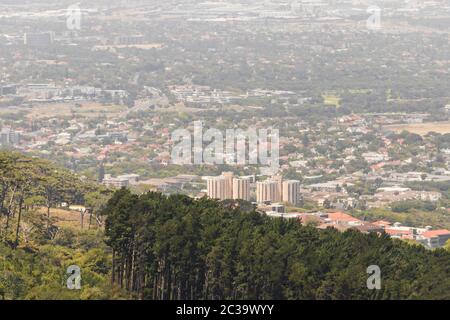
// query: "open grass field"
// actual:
[[87, 109], [421, 128], [55, 110], [69, 219], [66, 218], [331, 99]]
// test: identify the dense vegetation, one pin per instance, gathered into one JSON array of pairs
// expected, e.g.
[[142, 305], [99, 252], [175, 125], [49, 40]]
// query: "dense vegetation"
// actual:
[[35, 249], [27, 185], [39, 271], [152, 246], [179, 248]]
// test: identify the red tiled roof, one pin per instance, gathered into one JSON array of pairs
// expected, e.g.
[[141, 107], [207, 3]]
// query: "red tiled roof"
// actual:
[[435, 233]]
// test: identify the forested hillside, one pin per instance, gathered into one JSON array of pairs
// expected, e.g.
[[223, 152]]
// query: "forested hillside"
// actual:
[[27, 185], [36, 248], [179, 248], [153, 246]]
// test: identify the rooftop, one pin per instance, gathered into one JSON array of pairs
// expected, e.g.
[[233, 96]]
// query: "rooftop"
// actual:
[[435, 233]]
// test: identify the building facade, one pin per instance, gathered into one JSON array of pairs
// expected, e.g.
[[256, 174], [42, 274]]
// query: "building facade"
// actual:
[[227, 186], [216, 188], [267, 191], [241, 189], [291, 191]]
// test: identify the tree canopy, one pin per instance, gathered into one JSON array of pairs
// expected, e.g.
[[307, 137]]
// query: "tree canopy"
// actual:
[[178, 248]]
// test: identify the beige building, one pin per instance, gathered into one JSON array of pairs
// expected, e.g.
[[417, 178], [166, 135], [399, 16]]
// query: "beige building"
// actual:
[[267, 191], [227, 186], [241, 189], [291, 189], [277, 190], [115, 182], [274, 190], [228, 177], [216, 187]]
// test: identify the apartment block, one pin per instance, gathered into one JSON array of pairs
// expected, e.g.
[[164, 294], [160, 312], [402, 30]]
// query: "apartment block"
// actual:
[[241, 189], [227, 186], [291, 191]]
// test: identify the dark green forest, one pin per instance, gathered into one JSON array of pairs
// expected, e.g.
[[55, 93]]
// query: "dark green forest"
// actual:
[[179, 248]]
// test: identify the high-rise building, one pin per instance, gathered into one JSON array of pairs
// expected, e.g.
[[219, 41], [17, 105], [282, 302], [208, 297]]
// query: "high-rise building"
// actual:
[[267, 191], [273, 190], [226, 186], [291, 189], [216, 187], [270, 190], [241, 189], [228, 177], [279, 191]]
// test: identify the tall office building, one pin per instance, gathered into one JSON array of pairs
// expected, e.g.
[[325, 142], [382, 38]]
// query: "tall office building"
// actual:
[[241, 189], [291, 189]]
